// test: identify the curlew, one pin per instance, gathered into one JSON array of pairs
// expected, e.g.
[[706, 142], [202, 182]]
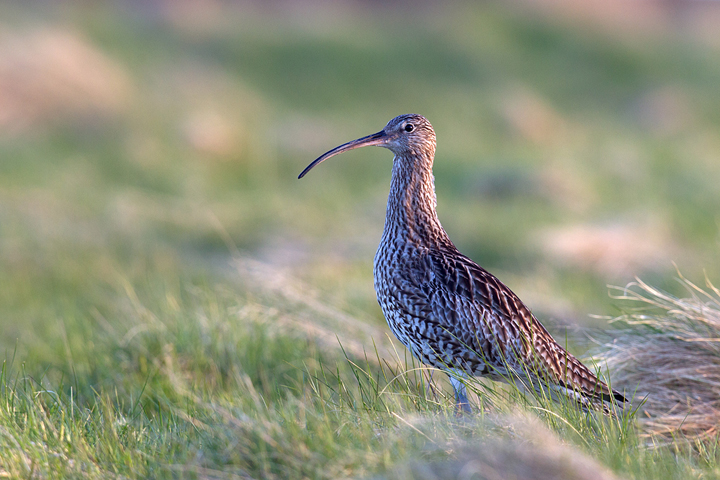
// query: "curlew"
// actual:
[[448, 311]]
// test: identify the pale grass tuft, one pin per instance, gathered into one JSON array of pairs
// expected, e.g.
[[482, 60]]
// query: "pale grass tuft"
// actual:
[[611, 250], [672, 356], [515, 445], [50, 72]]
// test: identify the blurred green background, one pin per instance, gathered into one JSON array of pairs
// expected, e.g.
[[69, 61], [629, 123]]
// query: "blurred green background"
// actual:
[[578, 146]]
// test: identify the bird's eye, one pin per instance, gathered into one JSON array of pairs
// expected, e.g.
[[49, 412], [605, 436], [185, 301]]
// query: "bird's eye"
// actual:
[[409, 127]]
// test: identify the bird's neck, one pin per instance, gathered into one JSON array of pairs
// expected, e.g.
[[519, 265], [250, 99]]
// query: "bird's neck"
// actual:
[[411, 209]]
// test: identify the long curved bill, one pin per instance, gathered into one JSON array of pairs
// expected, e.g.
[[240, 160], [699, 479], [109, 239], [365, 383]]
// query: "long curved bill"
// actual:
[[378, 138]]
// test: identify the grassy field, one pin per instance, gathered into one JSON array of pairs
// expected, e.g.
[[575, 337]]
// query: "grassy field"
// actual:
[[175, 303]]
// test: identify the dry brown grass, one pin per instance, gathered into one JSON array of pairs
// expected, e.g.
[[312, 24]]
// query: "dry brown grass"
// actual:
[[519, 447], [51, 73], [671, 354], [611, 250]]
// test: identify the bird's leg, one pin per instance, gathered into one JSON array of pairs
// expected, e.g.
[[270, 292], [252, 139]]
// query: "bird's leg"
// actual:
[[462, 404]]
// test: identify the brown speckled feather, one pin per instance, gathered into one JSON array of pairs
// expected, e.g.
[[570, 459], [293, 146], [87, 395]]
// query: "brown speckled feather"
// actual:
[[450, 312]]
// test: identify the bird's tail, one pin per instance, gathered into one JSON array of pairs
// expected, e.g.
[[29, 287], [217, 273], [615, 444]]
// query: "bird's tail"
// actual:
[[571, 378]]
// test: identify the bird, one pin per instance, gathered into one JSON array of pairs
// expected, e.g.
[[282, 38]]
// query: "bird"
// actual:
[[451, 313]]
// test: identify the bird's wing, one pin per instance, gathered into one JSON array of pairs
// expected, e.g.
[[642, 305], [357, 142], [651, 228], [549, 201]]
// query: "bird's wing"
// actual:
[[476, 308]]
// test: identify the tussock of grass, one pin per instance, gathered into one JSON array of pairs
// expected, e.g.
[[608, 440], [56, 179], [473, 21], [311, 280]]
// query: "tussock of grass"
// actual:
[[671, 354], [515, 445]]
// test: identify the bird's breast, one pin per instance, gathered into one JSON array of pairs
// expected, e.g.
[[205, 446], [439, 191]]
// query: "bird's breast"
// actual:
[[399, 273]]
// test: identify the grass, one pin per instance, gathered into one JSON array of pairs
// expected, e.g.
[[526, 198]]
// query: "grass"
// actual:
[[174, 303], [675, 363], [198, 381]]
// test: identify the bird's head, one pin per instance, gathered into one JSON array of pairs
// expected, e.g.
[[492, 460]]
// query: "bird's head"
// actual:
[[405, 135]]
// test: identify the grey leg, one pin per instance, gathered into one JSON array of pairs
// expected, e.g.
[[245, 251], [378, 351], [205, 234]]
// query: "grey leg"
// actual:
[[461, 401]]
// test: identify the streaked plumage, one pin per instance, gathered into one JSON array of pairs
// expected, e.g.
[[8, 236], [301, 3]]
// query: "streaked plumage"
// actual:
[[450, 312]]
